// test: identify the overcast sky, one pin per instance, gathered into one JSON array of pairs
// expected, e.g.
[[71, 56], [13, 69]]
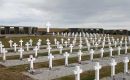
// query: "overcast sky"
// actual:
[[72, 13]]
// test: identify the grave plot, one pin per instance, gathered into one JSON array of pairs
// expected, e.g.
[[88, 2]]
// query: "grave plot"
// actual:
[[70, 57]]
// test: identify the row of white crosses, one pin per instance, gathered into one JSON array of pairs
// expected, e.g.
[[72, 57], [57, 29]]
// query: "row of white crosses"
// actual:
[[97, 67]]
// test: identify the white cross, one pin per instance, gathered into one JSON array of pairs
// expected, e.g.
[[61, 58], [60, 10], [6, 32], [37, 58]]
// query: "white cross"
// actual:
[[80, 46], [109, 44], [110, 51], [126, 49], [62, 40], [119, 49], [50, 57], [68, 40], [66, 43], [113, 64], [36, 50], [15, 47], [88, 46], [4, 51], [27, 46], [48, 26], [21, 53], [49, 49], [31, 59], [21, 42], [79, 56], [96, 45], [126, 61], [125, 43], [55, 41], [10, 43], [77, 72], [30, 41], [60, 47], [57, 44], [91, 54], [48, 43], [39, 40], [71, 48], [38, 45], [102, 51], [97, 67], [121, 43], [53, 34], [47, 40], [66, 54], [115, 43], [103, 44], [1, 47]]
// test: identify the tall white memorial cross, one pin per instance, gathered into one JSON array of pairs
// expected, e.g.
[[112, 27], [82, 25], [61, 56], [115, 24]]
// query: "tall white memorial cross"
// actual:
[[119, 50], [79, 56], [61, 48], [36, 50], [97, 67], [49, 49], [1, 47], [110, 51], [50, 57], [10, 43], [77, 72], [102, 51], [91, 54], [126, 49], [113, 64], [66, 55], [4, 51], [31, 59], [27, 46], [48, 26], [21, 50], [15, 47], [30, 42], [71, 48], [126, 61], [21, 42]]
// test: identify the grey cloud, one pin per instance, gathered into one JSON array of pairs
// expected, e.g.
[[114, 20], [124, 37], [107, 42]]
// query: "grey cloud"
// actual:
[[70, 12]]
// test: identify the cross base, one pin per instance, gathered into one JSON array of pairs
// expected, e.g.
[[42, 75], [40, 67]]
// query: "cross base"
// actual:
[[31, 71]]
